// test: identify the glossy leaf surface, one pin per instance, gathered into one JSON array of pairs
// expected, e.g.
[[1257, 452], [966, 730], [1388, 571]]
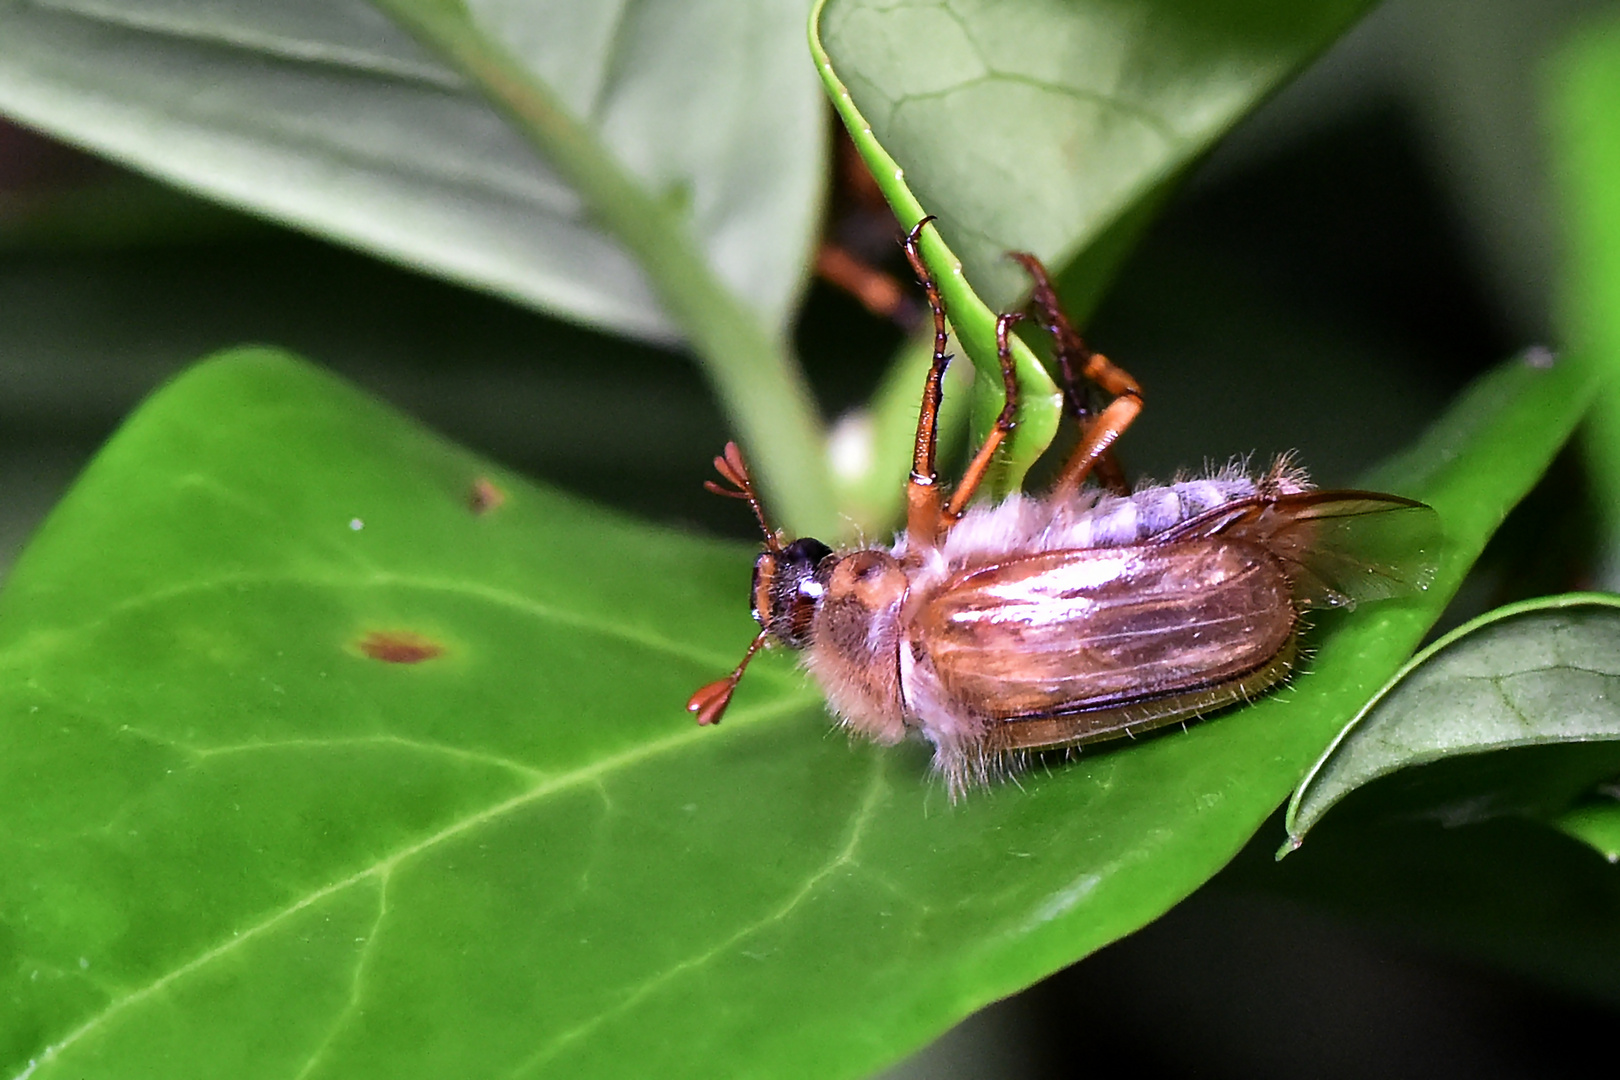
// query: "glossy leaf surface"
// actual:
[[327, 115], [312, 770], [1542, 673], [1034, 126]]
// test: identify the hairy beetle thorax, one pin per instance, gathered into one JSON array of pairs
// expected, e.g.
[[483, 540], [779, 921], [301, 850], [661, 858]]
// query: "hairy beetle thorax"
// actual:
[[843, 611], [855, 641]]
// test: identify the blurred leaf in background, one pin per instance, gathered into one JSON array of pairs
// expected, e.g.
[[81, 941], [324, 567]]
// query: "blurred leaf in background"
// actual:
[[710, 106], [1586, 128], [670, 139]]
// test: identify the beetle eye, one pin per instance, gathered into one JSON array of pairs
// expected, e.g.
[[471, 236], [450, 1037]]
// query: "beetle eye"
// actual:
[[805, 553]]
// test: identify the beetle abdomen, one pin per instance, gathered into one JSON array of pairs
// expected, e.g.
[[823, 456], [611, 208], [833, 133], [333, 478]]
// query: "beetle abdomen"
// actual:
[[1020, 525], [1069, 631]]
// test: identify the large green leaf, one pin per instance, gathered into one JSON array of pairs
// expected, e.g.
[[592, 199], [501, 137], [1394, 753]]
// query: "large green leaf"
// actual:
[[1542, 673], [241, 837], [325, 114]]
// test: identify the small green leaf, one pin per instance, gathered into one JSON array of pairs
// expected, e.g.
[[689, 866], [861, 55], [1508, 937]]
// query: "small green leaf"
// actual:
[[972, 322], [244, 835], [1540, 673], [1034, 126]]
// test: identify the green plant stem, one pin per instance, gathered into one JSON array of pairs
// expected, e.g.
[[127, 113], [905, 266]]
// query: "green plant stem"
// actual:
[[752, 369], [1585, 128]]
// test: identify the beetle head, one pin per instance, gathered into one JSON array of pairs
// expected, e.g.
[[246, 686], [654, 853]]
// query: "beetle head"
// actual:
[[789, 585]]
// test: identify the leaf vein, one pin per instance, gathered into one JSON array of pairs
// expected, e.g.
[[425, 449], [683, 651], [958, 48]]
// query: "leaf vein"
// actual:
[[387, 579], [424, 746], [843, 857], [1147, 119], [382, 868], [351, 1006]]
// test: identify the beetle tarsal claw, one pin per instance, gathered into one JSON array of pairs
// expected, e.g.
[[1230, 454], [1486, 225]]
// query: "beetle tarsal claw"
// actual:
[[710, 701]]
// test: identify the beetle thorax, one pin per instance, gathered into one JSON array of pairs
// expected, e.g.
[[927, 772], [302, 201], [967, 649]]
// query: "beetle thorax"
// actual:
[[854, 647]]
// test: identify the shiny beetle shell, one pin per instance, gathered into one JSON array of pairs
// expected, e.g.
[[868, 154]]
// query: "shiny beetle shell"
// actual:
[[1008, 638]]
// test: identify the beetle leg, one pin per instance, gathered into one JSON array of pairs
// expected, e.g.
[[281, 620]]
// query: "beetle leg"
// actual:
[[1079, 364], [923, 523], [1096, 440], [1068, 347], [1110, 475], [998, 434], [710, 701], [878, 291]]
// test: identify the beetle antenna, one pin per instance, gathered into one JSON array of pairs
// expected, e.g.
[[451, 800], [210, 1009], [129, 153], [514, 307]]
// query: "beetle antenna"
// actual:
[[734, 470], [710, 702]]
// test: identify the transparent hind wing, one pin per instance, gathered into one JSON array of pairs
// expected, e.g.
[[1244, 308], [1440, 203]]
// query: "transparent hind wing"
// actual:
[[1340, 547]]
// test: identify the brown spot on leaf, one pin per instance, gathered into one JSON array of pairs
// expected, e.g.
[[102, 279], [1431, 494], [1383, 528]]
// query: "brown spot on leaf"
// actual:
[[485, 496], [400, 647]]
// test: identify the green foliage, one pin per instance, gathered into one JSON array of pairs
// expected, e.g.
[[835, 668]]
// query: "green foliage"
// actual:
[[317, 767], [1535, 674], [1540, 673], [434, 176], [1052, 130], [1033, 126], [1595, 822], [226, 816]]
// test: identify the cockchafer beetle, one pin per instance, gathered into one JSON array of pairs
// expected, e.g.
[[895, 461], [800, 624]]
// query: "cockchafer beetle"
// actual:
[[1090, 613]]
